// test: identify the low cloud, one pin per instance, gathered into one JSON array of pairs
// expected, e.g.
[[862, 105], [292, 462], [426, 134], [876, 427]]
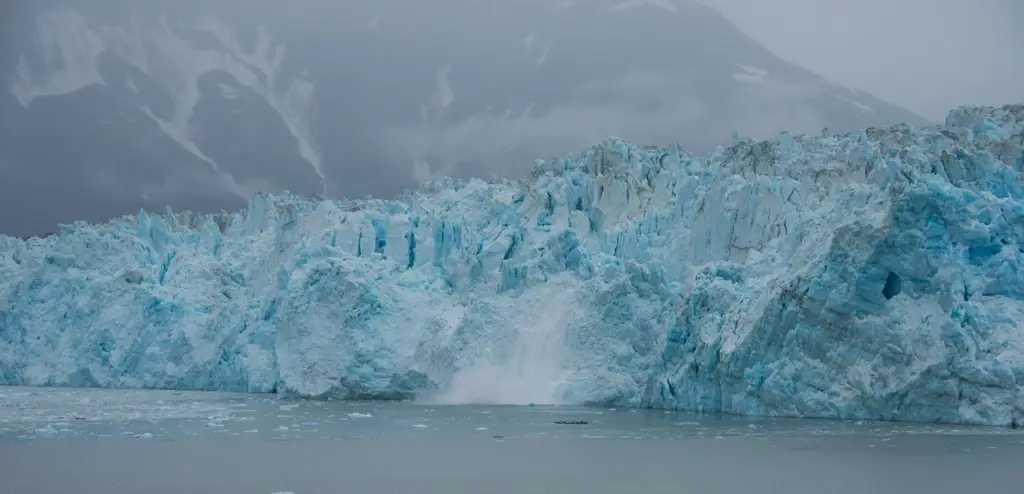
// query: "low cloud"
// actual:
[[646, 108]]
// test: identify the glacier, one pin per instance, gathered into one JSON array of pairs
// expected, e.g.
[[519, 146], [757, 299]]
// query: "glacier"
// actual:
[[874, 275]]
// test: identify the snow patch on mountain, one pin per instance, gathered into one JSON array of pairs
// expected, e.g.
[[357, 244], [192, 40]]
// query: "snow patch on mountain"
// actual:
[[73, 48]]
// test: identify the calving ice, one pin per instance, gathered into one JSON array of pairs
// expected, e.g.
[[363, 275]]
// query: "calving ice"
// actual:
[[875, 275]]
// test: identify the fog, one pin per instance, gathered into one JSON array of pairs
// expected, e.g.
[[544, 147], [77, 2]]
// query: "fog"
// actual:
[[113, 105], [926, 55]]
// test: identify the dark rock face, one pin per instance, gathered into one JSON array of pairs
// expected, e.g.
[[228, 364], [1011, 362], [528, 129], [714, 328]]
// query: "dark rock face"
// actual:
[[112, 106]]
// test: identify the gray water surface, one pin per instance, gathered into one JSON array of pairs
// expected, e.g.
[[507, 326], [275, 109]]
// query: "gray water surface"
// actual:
[[161, 442]]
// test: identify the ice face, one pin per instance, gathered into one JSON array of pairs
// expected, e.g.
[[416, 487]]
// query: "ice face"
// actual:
[[871, 276]]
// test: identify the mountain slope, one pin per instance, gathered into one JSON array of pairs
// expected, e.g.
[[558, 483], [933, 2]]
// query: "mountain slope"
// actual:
[[117, 105]]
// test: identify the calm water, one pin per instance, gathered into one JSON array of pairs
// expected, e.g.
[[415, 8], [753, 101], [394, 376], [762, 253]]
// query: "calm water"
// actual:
[[102, 441]]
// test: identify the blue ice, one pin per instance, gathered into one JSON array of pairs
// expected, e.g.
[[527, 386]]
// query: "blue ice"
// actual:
[[875, 275]]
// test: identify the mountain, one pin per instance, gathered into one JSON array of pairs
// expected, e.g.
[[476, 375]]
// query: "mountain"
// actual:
[[115, 105], [872, 276]]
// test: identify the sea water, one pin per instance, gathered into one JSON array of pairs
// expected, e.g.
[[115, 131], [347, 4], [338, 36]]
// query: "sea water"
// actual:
[[162, 442]]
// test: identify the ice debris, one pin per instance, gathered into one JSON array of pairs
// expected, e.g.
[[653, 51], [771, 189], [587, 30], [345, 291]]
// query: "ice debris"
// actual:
[[875, 275]]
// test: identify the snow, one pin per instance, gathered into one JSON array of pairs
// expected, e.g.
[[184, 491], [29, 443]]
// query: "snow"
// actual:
[[860, 106], [750, 74], [542, 57], [63, 35], [869, 276], [632, 4], [529, 41], [74, 47], [228, 92]]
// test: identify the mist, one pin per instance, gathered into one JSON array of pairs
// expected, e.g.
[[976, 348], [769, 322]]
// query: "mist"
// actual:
[[926, 55], [112, 106]]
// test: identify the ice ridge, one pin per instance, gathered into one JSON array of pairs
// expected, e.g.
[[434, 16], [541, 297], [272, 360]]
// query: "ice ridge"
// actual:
[[875, 275]]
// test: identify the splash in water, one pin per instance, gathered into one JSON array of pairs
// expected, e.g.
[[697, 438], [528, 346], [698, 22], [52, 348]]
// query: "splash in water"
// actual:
[[532, 372]]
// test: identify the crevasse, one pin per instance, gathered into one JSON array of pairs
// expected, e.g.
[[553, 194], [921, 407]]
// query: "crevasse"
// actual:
[[875, 275]]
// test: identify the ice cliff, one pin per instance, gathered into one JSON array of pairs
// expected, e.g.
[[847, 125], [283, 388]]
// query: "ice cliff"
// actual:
[[875, 275]]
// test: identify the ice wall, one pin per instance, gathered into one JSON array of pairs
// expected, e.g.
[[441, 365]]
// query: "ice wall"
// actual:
[[875, 275]]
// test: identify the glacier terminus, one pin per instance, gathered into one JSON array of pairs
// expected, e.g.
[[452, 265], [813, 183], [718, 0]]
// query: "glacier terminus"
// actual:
[[872, 275]]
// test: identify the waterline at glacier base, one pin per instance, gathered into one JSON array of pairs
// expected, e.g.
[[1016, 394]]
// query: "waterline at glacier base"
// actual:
[[875, 275]]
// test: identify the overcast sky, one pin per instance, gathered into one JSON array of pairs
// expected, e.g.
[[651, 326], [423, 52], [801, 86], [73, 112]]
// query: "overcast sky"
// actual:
[[927, 55]]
